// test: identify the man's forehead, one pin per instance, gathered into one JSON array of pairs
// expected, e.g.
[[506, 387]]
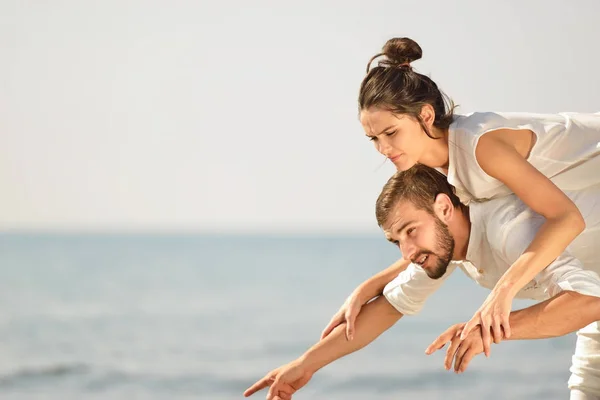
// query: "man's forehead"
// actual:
[[402, 212]]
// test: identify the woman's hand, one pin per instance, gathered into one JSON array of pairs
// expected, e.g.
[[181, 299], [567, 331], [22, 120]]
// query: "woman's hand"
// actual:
[[347, 313], [493, 317]]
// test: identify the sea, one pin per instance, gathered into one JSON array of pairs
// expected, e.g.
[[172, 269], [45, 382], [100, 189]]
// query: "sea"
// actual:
[[196, 316]]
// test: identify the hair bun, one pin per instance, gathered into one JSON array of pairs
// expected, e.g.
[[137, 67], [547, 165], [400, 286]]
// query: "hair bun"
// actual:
[[402, 51]]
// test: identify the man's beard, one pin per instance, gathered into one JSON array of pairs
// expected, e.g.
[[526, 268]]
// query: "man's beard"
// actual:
[[445, 247]]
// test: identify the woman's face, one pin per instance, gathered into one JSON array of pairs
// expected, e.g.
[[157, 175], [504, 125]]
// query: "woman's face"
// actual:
[[399, 137]]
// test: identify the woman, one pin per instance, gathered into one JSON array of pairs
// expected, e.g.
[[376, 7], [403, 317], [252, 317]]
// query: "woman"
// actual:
[[484, 155]]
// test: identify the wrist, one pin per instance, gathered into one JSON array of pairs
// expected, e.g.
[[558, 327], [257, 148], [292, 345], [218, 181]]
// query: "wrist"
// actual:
[[367, 291], [509, 289], [308, 362]]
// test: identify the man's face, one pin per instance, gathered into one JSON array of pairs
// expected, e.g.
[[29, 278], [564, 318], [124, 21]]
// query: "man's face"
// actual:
[[422, 238]]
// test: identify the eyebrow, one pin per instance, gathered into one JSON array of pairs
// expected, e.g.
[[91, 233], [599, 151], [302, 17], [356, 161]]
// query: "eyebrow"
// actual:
[[404, 225], [377, 134], [399, 230]]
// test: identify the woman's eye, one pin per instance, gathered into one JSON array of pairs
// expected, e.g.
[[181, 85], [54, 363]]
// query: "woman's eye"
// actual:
[[373, 138], [390, 133], [410, 231]]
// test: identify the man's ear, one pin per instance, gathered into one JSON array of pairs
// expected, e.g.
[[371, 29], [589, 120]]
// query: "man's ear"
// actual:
[[443, 207]]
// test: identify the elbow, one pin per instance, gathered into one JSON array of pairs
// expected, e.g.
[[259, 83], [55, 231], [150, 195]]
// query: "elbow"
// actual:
[[582, 225], [595, 306], [589, 309], [578, 222], [569, 219], [574, 220]]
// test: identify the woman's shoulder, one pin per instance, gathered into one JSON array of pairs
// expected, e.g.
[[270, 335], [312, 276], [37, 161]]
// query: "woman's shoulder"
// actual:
[[485, 120], [468, 128]]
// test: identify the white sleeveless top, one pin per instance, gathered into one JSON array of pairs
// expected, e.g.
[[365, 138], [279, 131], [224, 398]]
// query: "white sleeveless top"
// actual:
[[566, 150]]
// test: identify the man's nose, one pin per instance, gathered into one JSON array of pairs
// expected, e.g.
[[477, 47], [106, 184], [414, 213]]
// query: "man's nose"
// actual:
[[408, 251]]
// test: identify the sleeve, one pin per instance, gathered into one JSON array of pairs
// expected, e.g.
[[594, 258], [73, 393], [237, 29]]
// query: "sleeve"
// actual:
[[568, 273], [411, 288], [564, 273]]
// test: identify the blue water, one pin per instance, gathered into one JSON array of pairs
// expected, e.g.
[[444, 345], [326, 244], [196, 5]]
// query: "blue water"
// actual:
[[178, 317]]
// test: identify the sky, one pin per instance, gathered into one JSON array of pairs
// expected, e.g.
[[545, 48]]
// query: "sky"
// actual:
[[241, 116]]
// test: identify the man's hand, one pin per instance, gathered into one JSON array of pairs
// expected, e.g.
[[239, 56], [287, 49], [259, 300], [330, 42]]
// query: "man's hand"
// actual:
[[283, 381], [461, 351]]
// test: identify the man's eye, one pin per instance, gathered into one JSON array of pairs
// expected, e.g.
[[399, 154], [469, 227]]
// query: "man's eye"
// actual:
[[410, 230]]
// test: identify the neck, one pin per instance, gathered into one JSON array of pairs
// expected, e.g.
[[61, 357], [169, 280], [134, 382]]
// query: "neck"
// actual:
[[461, 231], [436, 155]]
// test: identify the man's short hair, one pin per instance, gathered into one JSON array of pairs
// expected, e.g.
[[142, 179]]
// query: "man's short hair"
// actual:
[[420, 185]]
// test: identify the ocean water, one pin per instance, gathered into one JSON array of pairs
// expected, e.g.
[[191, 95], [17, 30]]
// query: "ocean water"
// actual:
[[199, 317]]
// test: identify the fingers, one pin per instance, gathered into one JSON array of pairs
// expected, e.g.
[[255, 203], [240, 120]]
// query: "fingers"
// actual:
[[259, 385], [350, 319], [284, 393], [283, 396], [460, 352], [335, 321], [280, 389], [497, 331], [487, 338], [506, 326], [469, 326], [444, 338], [465, 360], [438, 344], [450, 352], [274, 389]]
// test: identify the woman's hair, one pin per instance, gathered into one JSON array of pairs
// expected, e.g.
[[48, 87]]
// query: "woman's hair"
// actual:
[[393, 85]]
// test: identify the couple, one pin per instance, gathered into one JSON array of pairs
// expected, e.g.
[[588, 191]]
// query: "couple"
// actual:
[[420, 213], [546, 163]]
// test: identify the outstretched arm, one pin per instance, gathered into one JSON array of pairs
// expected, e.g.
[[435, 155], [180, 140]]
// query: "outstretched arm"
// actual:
[[365, 292], [376, 318], [566, 312]]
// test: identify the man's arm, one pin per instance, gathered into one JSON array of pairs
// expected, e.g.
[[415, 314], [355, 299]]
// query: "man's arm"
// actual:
[[374, 319], [566, 312], [374, 286], [364, 293]]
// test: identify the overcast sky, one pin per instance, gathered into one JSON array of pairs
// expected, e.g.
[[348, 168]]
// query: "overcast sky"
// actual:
[[241, 116]]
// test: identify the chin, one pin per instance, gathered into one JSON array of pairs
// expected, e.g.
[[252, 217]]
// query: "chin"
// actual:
[[436, 272], [402, 165]]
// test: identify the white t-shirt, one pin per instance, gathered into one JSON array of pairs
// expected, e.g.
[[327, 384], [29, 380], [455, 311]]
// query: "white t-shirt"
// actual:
[[566, 150], [501, 230]]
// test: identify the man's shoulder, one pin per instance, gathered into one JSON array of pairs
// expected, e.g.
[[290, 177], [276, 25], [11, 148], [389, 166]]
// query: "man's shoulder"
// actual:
[[509, 224], [501, 215]]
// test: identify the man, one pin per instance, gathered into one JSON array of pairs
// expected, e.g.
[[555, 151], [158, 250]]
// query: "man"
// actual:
[[420, 213]]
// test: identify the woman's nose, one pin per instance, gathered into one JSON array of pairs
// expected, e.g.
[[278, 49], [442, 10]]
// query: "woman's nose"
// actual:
[[384, 147]]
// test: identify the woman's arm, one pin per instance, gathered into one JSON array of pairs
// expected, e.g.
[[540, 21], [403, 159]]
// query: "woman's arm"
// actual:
[[374, 286], [365, 292], [501, 155]]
